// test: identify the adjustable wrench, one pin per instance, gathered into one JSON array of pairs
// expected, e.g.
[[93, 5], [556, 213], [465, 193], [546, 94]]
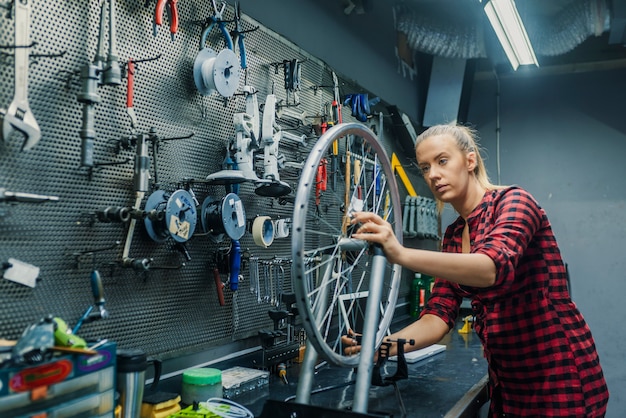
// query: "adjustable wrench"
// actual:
[[19, 116]]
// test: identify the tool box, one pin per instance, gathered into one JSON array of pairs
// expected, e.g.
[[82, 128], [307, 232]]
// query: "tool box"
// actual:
[[65, 386]]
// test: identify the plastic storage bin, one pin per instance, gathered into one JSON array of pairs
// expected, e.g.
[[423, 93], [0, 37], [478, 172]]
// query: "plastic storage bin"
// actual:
[[201, 384]]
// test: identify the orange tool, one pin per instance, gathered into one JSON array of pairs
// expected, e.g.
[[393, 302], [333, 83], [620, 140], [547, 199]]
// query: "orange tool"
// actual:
[[321, 179], [219, 286], [172, 14], [130, 94]]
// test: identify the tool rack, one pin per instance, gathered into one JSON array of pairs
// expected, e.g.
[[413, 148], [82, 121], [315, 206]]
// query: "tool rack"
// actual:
[[173, 309]]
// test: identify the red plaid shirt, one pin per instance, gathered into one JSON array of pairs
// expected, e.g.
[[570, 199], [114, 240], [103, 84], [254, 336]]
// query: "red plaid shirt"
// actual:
[[541, 355]]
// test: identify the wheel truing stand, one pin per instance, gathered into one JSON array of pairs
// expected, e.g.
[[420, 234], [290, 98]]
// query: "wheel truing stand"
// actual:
[[328, 265]]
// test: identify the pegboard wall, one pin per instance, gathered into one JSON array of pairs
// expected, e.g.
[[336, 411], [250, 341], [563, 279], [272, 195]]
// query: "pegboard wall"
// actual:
[[169, 310]]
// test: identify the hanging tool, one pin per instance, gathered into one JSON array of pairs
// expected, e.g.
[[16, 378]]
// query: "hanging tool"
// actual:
[[271, 185], [164, 217], [102, 71], [219, 286], [172, 16], [247, 136], [130, 93], [98, 295], [237, 36], [337, 118], [397, 168], [7, 196], [216, 18], [235, 265], [361, 105], [346, 200], [19, 117], [336, 104], [214, 71], [111, 72], [293, 75], [321, 178], [357, 180]]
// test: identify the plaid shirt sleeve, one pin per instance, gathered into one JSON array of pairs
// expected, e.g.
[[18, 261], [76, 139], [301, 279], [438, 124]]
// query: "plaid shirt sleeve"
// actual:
[[517, 217]]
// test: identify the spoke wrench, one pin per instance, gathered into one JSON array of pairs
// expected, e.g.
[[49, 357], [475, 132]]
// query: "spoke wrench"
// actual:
[[19, 116]]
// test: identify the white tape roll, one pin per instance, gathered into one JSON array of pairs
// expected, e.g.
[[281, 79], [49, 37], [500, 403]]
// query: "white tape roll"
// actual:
[[216, 71], [281, 227], [263, 231]]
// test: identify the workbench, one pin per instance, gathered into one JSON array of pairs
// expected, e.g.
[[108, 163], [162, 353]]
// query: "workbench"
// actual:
[[448, 384], [451, 384]]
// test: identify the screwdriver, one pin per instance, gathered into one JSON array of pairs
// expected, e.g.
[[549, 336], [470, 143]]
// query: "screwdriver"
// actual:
[[8, 196], [282, 372]]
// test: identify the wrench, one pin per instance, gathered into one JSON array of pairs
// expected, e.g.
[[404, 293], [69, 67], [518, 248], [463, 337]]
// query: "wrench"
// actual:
[[19, 116]]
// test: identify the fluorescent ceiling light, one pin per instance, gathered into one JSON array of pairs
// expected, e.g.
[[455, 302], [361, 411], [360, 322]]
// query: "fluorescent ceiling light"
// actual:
[[510, 30]]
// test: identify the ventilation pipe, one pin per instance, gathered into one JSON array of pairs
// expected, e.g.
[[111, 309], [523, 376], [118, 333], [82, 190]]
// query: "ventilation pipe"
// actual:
[[550, 36]]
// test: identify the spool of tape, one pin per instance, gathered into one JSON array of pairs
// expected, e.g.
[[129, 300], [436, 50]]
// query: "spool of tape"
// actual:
[[263, 231], [216, 71], [281, 227]]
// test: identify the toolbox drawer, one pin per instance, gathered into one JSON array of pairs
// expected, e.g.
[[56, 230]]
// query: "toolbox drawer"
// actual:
[[64, 387]]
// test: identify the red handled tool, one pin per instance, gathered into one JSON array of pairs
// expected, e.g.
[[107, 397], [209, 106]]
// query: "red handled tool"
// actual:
[[172, 15], [321, 179], [130, 93], [219, 286]]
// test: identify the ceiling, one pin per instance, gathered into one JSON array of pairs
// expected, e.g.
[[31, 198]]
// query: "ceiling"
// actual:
[[568, 35]]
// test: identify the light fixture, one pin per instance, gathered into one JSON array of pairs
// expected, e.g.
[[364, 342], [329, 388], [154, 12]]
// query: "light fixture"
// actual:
[[510, 30]]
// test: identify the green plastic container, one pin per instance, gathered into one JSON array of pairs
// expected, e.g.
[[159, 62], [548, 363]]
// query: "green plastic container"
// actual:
[[201, 384]]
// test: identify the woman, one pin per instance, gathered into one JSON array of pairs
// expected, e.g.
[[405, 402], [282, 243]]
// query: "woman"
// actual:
[[500, 253]]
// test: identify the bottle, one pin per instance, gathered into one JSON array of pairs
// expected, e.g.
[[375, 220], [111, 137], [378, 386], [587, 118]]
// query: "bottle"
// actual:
[[418, 295], [429, 282]]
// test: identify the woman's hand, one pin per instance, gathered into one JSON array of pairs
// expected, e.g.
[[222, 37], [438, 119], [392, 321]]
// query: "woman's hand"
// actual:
[[351, 343], [375, 229]]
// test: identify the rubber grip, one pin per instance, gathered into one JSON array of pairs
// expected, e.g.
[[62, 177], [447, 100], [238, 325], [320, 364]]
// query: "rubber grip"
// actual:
[[227, 37], [242, 53], [158, 12], [219, 286], [96, 287], [173, 16], [130, 84], [235, 265]]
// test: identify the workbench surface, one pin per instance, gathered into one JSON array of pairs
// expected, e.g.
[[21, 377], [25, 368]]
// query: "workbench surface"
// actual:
[[434, 387]]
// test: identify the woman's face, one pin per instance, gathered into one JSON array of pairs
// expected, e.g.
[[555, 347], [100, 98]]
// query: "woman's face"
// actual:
[[445, 167]]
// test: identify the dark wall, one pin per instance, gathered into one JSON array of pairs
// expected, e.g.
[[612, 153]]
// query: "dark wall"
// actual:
[[563, 138]]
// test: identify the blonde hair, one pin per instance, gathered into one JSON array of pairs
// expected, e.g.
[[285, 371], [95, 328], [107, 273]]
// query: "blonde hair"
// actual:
[[466, 140]]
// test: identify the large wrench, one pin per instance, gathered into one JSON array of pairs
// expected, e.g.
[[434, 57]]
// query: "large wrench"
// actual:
[[19, 116]]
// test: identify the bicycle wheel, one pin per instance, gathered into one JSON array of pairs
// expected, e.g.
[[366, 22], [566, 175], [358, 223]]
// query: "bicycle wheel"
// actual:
[[331, 272]]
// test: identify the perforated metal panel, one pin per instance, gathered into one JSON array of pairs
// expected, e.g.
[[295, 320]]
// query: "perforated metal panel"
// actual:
[[170, 311]]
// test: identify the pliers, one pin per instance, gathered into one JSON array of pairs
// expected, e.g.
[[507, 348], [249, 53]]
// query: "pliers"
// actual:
[[237, 35], [216, 18], [172, 15]]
